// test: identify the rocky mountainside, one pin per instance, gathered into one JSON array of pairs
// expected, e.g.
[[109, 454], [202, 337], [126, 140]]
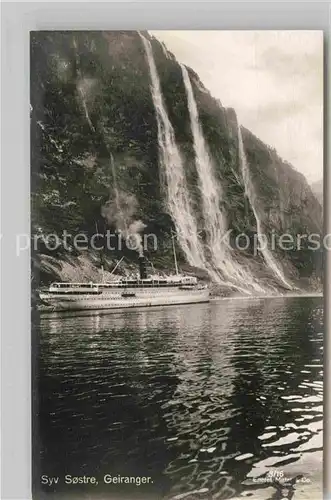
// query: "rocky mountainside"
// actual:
[[317, 188], [96, 164]]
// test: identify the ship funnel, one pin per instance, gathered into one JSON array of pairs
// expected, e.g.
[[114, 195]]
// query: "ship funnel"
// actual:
[[142, 268]]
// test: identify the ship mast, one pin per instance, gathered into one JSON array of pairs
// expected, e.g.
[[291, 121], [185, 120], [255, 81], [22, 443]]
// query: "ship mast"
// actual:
[[118, 263], [101, 261], [174, 251]]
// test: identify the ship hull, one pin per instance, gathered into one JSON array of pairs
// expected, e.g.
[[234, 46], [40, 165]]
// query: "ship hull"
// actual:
[[113, 300]]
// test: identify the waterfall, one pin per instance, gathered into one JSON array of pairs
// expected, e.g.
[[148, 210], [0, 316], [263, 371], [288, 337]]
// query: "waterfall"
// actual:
[[165, 51], [178, 201], [80, 89], [116, 190], [83, 99], [214, 219], [251, 195]]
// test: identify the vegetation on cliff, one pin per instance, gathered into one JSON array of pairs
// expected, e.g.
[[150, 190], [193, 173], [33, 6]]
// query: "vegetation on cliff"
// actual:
[[94, 134]]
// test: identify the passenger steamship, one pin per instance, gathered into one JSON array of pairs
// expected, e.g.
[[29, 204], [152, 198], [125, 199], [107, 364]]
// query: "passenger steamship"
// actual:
[[141, 291]]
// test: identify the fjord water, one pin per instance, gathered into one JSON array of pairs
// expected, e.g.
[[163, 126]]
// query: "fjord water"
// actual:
[[205, 399]]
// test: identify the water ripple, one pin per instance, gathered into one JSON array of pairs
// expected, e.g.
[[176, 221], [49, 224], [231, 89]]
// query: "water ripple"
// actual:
[[203, 399]]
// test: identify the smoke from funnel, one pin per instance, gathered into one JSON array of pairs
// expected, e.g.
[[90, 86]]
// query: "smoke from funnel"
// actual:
[[120, 213]]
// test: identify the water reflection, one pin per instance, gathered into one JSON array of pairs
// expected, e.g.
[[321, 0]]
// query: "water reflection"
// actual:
[[205, 398]]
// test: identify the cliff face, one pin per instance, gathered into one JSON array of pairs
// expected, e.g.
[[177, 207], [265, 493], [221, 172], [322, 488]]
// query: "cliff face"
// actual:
[[317, 188], [95, 140]]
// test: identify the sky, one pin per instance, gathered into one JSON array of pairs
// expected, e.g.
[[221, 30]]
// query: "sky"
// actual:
[[273, 79]]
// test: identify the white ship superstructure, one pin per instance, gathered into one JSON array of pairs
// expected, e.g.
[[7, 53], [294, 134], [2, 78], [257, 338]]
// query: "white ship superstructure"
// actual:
[[126, 292]]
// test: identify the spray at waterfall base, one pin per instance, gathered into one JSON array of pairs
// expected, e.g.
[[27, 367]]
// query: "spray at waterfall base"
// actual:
[[139, 243], [219, 252], [108, 245], [213, 254]]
